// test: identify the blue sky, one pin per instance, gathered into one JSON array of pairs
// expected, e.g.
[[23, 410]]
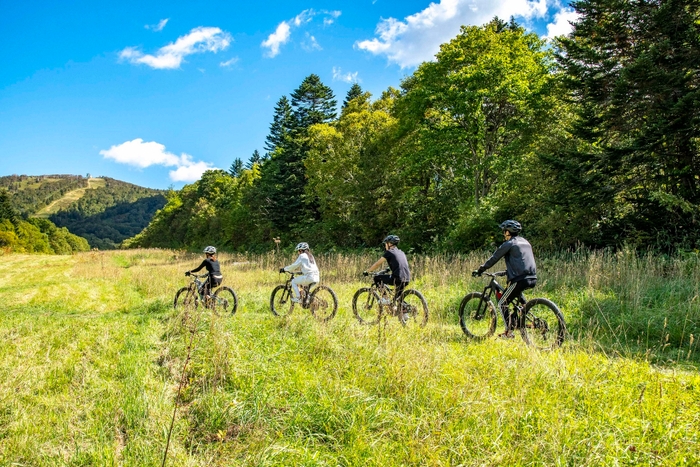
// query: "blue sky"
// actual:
[[154, 93]]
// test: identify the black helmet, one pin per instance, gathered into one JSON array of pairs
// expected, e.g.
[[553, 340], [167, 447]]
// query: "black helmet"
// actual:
[[511, 226], [393, 239]]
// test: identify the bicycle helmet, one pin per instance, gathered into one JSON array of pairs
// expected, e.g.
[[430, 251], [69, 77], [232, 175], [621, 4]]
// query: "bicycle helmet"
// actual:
[[302, 246], [511, 226], [210, 250], [393, 239]]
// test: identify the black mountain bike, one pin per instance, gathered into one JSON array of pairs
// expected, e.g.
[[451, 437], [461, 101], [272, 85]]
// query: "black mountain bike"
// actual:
[[322, 301], [539, 320], [370, 303], [222, 300]]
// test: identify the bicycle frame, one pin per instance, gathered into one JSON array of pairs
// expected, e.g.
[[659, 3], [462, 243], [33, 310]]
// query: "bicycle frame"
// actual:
[[494, 287], [304, 290]]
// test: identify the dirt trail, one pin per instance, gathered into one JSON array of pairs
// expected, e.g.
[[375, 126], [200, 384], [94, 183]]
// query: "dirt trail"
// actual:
[[69, 198]]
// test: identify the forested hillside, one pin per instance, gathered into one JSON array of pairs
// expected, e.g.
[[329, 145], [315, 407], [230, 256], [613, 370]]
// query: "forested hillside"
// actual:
[[109, 214], [34, 235], [30, 193], [103, 210], [592, 140]]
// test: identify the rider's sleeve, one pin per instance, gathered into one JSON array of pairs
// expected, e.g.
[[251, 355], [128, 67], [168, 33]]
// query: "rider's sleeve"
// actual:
[[204, 263], [295, 266], [497, 255]]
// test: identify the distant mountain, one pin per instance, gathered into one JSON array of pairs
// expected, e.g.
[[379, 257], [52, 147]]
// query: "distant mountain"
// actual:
[[103, 210]]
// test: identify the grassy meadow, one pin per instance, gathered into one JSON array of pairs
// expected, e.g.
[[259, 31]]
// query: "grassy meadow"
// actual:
[[92, 355]]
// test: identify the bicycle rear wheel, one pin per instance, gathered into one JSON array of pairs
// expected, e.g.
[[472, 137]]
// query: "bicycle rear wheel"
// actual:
[[281, 302], [186, 297], [323, 303], [543, 325], [414, 309], [365, 306], [224, 301], [477, 316]]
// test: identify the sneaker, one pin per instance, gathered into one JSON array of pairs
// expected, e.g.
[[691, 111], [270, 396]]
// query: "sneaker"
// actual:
[[507, 335]]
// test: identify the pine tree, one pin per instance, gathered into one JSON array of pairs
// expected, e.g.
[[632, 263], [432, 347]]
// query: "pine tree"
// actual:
[[236, 167], [6, 210], [254, 159], [313, 102], [282, 125], [283, 178], [632, 68], [354, 92]]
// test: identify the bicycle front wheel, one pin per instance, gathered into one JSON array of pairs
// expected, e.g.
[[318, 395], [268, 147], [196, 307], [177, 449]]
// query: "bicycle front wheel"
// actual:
[[186, 297], [365, 306], [477, 316], [543, 325], [323, 303], [224, 301], [281, 302], [414, 309]]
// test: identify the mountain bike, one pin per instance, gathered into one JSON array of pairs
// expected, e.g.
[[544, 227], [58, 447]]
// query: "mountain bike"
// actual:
[[322, 301], [223, 299], [539, 320], [370, 303]]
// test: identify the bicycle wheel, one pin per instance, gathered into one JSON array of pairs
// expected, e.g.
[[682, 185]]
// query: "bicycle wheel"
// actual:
[[477, 316], [224, 301], [323, 303], [365, 306], [543, 326], [414, 309], [185, 297], [281, 302]]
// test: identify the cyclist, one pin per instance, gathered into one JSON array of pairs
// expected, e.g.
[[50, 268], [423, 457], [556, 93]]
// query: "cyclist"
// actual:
[[398, 264], [212, 265], [306, 264], [521, 270]]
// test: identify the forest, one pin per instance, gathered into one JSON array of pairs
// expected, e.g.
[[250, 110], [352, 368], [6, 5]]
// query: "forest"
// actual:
[[591, 141], [103, 211], [31, 193], [110, 214], [34, 235]]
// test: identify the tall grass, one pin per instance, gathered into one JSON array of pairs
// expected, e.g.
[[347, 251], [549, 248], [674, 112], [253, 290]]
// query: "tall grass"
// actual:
[[93, 354]]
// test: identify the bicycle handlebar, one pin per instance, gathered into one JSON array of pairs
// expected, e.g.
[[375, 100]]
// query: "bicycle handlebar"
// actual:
[[494, 274], [379, 273], [199, 276]]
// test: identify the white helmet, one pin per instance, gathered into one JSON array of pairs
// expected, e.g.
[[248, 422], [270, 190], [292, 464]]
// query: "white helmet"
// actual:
[[302, 246], [210, 250]]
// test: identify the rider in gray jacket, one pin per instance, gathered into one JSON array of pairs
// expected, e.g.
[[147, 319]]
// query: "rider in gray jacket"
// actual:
[[521, 270]]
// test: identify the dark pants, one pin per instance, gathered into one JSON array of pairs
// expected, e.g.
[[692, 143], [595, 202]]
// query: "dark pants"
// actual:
[[210, 283], [391, 280], [514, 291]]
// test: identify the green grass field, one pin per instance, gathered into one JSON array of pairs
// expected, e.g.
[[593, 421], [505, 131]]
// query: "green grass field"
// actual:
[[92, 354]]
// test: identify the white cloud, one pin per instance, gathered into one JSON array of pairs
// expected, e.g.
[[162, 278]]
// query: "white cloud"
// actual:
[[418, 37], [284, 30], [562, 23], [157, 27], [332, 16], [189, 173], [229, 63], [311, 44], [277, 39], [198, 40], [145, 154], [338, 75]]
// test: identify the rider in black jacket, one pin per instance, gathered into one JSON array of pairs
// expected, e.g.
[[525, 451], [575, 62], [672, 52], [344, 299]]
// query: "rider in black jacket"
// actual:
[[521, 270]]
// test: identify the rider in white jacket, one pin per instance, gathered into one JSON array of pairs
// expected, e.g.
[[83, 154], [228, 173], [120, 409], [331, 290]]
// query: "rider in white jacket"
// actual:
[[306, 264]]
